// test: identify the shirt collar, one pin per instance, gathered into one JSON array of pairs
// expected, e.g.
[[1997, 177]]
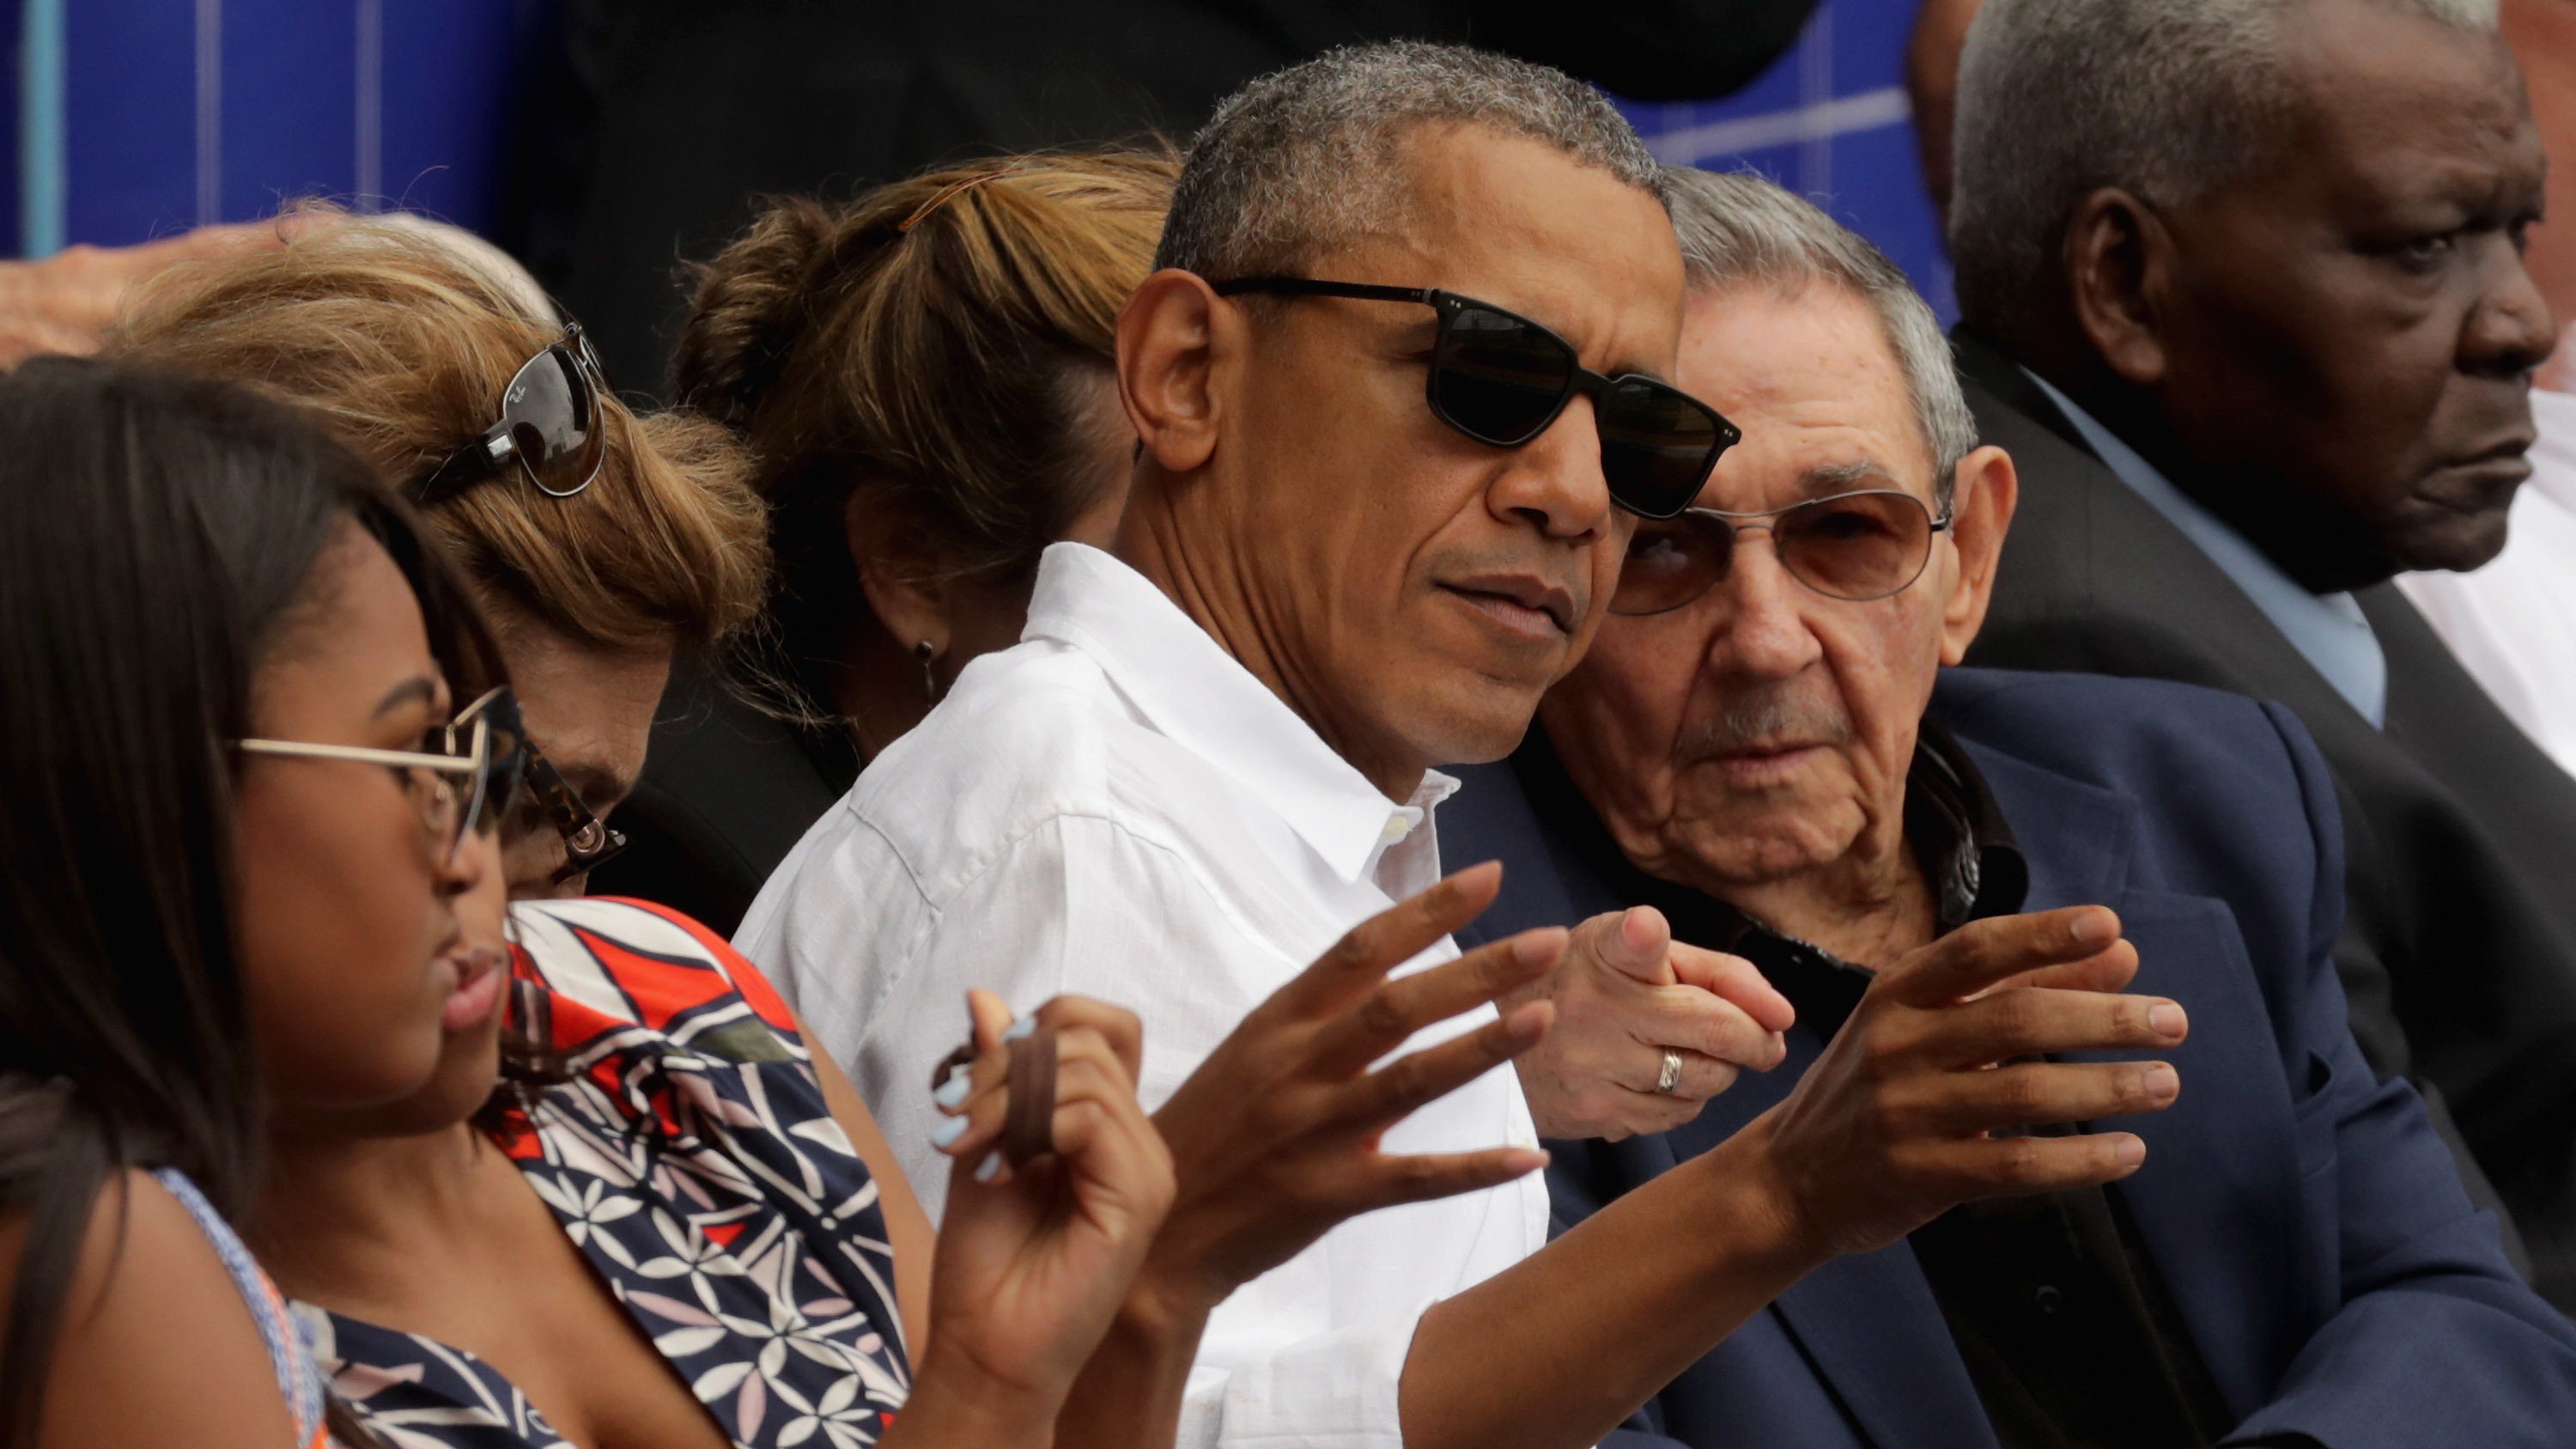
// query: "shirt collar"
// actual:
[[1193, 692], [2328, 630], [1952, 823]]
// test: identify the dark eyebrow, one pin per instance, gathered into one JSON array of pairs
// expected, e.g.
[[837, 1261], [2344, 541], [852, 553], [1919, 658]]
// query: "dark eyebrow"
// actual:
[[418, 687]]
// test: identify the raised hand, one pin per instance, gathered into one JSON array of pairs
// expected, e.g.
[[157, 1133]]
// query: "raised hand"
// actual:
[[1626, 993], [1891, 1127], [1035, 1260], [1275, 1136]]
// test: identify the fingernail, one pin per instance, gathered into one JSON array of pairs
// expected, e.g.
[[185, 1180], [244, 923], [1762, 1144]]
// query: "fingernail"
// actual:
[[2130, 1152], [990, 1167], [2094, 928], [1025, 1026], [946, 1133], [2159, 1083], [2166, 1019], [953, 1091]]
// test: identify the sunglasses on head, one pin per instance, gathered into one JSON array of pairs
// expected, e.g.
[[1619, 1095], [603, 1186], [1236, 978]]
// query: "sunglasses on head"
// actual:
[[1501, 379], [550, 427], [1855, 546]]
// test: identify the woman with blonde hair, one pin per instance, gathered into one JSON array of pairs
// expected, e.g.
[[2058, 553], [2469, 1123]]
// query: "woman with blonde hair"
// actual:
[[602, 544]]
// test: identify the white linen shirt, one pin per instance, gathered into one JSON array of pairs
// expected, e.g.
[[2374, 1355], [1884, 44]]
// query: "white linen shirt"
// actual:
[[1117, 808]]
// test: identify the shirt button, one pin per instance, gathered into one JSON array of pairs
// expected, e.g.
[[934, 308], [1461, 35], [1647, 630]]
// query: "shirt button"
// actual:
[[2046, 1298], [1397, 827]]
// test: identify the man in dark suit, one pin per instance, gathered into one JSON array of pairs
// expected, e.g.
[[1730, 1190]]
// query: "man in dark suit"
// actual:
[[2243, 298], [1765, 748]]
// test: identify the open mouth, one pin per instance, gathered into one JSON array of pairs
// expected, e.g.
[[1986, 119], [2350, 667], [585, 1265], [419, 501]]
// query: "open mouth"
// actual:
[[479, 979]]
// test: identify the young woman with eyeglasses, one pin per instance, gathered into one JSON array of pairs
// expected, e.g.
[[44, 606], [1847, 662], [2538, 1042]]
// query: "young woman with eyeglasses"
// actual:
[[253, 916], [238, 831]]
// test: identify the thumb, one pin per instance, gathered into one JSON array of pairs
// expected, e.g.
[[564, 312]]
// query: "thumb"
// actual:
[[1637, 943]]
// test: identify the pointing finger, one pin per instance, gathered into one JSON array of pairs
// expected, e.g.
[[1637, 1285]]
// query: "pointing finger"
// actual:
[[1737, 980]]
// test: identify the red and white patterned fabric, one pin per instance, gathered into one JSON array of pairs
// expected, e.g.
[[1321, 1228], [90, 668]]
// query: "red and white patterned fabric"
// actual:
[[694, 1163]]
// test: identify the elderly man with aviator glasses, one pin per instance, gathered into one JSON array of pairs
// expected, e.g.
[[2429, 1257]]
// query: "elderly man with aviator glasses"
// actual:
[[1767, 748]]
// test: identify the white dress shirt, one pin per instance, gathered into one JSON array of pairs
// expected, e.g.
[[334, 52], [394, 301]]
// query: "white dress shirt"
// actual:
[[2328, 630], [1116, 808], [2513, 623]]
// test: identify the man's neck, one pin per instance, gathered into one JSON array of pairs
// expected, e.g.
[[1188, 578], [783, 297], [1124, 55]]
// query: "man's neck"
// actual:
[[1869, 907], [1209, 585], [2307, 539]]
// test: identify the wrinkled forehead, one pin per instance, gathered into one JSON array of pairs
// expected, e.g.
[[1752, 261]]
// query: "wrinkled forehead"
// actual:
[[1808, 372], [1518, 223]]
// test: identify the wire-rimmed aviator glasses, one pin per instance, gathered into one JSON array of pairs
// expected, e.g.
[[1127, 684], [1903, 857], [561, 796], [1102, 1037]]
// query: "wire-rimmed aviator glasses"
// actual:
[[1857, 546]]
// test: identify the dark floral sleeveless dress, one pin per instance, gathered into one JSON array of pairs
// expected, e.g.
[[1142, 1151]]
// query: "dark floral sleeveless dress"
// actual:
[[693, 1162]]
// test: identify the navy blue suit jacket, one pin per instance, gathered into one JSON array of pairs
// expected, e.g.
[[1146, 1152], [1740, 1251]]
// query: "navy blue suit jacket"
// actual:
[[2309, 1225]]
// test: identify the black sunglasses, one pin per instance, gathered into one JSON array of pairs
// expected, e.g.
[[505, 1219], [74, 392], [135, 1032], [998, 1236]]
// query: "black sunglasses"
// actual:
[[550, 426], [1855, 546], [1501, 379]]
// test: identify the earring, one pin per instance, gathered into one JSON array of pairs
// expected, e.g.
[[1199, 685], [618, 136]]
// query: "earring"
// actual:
[[927, 654]]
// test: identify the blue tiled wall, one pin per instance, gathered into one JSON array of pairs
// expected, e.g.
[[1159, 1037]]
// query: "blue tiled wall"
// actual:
[[174, 112], [1828, 119]]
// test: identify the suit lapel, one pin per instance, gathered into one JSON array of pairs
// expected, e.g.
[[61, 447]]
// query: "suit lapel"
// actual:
[[1868, 1324], [2216, 1203], [2085, 544]]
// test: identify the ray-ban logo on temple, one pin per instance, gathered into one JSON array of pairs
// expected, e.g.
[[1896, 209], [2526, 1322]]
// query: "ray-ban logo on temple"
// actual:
[[550, 427], [1502, 379]]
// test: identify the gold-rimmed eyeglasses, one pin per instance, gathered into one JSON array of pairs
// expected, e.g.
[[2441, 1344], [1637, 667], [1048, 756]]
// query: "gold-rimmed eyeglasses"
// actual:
[[461, 779], [1852, 546]]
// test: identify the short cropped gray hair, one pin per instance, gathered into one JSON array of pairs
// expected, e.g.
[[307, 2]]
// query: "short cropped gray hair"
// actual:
[[2057, 98], [1743, 228], [1306, 159]]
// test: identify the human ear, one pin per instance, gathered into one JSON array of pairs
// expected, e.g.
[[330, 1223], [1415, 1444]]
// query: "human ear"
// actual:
[[1169, 340], [900, 570], [1983, 494], [2118, 263]]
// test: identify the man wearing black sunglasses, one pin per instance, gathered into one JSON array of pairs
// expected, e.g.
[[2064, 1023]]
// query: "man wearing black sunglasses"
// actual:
[[1404, 390], [1766, 747]]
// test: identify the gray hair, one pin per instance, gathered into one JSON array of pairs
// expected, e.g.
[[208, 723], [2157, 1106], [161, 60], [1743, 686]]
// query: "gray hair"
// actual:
[[1307, 159], [1745, 228], [2168, 99]]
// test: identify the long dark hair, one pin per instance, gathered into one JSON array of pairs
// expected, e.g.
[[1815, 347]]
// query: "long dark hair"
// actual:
[[156, 533]]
